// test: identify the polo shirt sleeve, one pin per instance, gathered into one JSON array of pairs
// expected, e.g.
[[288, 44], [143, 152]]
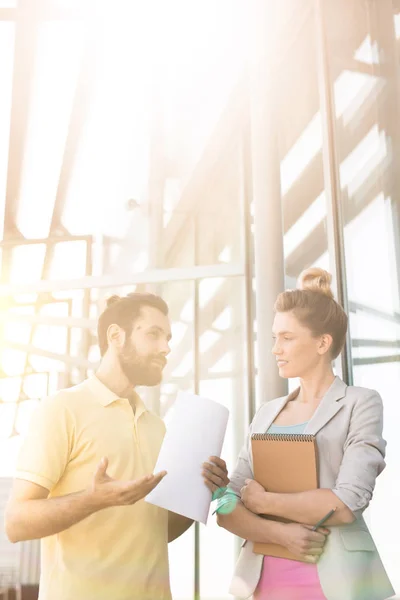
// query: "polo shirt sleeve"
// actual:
[[46, 448]]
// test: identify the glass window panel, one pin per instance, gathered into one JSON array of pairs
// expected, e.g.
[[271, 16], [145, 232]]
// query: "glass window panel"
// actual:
[[224, 319], [176, 294], [56, 71], [55, 309], [397, 26], [24, 415], [351, 90], [111, 165], [76, 341], [9, 448], [17, 332], [369, 268], [216, 62], [367, 172], [10, 388], [7, 414], [27, 263], [368, 52], [223, 379], [42, 363], [35, 385], [7, 33], [51, 338], [69, 261], [223, 365], [385, 378], [300, 142], [13, 361], [181, 561], [365, 324], [217, 545]]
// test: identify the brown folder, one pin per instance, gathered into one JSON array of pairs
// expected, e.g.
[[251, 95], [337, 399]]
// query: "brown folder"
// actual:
[[284, 463]]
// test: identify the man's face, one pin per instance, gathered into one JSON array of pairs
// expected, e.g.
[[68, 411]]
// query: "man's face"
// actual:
[[144, 354]]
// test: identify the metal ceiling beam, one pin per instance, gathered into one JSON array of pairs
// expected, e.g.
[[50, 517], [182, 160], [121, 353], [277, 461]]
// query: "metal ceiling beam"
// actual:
[[72, 361], [362, 343], [374, 312], [113, 281], [13, 242], [45, 10], [48, 320], [376, 360]]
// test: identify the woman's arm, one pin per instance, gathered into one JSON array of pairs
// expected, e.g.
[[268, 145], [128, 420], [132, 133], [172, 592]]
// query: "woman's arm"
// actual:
[[247, 525], [363, 461], [299, 539], [305, 507]]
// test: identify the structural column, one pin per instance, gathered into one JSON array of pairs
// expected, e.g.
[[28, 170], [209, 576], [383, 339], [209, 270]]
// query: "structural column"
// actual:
[[267, 201], [335, 224]]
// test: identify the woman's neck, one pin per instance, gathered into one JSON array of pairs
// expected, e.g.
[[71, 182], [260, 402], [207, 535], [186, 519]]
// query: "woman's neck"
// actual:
[[314, 387]]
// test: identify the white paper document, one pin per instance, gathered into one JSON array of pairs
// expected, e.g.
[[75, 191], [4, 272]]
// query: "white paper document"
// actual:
[[195, 432]]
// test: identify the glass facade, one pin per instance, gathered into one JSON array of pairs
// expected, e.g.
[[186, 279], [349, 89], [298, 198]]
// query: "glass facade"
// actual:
[[125, 165]]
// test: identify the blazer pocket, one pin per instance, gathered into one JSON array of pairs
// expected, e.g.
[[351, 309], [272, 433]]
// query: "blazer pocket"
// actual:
[[357, 540]]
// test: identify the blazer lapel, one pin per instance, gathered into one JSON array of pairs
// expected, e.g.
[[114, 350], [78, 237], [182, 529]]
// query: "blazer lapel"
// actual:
[[329, 406], [279, 406]]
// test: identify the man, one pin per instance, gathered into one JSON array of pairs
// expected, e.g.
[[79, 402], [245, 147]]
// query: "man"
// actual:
[[86, 465]]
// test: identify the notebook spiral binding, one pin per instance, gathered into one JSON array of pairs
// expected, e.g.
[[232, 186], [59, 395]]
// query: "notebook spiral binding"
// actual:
[[283, 437]]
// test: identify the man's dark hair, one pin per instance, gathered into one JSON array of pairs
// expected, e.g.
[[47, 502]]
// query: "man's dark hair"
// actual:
[[123, 312]]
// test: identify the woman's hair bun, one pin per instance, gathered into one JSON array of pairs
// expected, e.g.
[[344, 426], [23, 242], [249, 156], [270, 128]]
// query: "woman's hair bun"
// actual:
[[315, 280], [112, 300]]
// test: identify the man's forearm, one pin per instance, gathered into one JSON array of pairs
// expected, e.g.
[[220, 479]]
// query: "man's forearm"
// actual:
[[308, 507], [35, 519], [177, 524], [247, 525]]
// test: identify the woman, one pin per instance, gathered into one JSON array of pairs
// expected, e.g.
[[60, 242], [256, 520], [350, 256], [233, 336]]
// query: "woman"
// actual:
[[342, 563]]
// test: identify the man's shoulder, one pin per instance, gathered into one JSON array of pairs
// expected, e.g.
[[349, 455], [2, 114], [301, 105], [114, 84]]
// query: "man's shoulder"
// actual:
[[67, 397], [156, 421]]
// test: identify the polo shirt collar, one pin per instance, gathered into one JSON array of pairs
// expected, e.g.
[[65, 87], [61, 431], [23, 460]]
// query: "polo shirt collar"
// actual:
[[106, 396]]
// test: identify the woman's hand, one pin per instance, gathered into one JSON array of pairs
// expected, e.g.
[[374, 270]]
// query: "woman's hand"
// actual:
[[253, 496], [301, 541]]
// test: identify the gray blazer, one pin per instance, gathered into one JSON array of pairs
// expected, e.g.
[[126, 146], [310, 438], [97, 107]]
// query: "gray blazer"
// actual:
[[348, 428]]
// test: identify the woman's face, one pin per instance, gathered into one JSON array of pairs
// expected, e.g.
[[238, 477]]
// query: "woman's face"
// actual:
[[296, 350]]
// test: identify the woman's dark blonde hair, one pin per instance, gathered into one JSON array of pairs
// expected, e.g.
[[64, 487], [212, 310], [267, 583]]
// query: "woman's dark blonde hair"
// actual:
[[314, 306]]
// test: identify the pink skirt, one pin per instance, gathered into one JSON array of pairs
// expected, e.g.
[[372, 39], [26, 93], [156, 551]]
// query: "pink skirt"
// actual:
[[283, 579]]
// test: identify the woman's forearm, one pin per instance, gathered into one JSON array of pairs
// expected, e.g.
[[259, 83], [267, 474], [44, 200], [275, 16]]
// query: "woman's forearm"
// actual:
[[249, 526], [307, 507]]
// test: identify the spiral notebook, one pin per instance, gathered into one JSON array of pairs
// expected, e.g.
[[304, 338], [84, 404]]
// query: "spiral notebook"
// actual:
[[284, 463]]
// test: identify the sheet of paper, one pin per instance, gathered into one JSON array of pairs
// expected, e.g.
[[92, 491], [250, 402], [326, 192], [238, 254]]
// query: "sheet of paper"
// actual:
[[195, 432]]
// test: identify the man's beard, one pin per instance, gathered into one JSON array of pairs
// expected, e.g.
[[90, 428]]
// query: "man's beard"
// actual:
[[140, 370]]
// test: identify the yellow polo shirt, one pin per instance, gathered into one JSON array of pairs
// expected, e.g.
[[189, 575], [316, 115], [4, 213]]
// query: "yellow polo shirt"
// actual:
[[119, 553]]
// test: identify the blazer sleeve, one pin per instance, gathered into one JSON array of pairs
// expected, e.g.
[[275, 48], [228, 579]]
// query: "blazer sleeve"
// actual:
[[364, 454]]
